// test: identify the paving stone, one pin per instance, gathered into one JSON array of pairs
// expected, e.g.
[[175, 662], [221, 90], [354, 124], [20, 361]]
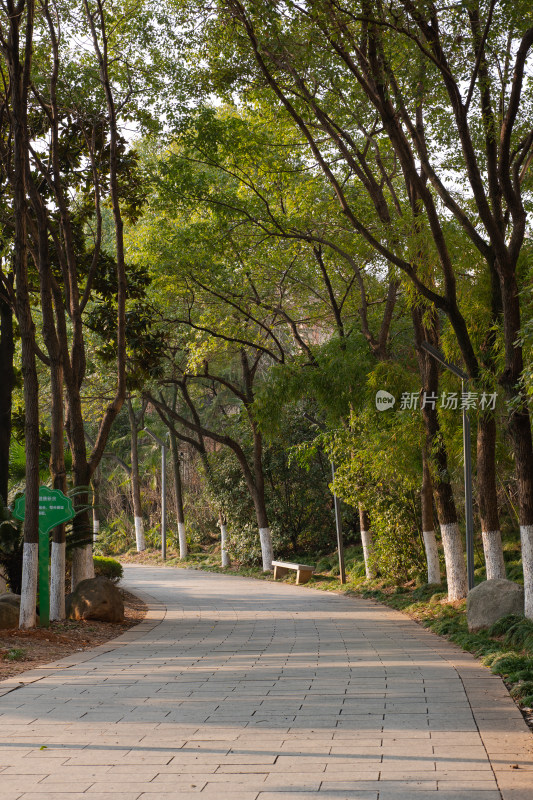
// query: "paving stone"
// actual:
[[259, 691], [321, 795], [32, 795]]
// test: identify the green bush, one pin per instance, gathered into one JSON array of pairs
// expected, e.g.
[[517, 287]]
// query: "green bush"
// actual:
[[11, 544], [108, 568], [15, 654], [513, 666], [520, 634], [116, 536], [522, 690], [502, 625], [396, 553]]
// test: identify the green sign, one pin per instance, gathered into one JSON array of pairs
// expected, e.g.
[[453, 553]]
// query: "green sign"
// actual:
[[54, 508]]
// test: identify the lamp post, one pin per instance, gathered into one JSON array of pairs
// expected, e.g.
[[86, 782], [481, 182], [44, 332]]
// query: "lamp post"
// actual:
[[467, 459], [163, 447], [340, 543]]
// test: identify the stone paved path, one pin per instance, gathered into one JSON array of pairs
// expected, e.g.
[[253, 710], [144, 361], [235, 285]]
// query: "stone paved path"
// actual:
[[234, 688]]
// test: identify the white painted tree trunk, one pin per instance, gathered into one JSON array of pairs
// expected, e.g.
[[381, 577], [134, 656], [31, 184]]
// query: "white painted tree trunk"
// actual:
[[223, 552], [455, 561], [526, 537], [366, 539], [432, 556], [182, 540], [139, 534], [96, 529], [28, 594], [492, 548], [82, 565], [57, 581], [265, 537]]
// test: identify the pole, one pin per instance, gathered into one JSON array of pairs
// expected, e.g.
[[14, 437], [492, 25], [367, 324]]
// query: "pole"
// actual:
[[163, 502], [340, 543], [469, 513]]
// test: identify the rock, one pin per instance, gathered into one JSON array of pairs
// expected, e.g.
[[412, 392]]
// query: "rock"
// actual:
[[95, 598], [9, 611], [13, 599], [491, 600]]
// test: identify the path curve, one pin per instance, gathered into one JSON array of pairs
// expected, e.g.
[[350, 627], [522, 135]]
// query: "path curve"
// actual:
[[236, 688]]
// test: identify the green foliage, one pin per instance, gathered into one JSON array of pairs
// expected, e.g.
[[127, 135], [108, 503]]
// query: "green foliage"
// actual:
[[500, 627], [115, 536], [11, 547], [523, 692], [396, 554], [15, 654], [516, 630], [243, 544], [513, 666], [298, 502], [108, 568]]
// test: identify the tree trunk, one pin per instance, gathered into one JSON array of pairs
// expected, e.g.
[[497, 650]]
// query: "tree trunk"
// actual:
[[428, 528], [451, 535], [366, 541], [135, 483], [178, 490], [95, 483], [487, 495], [267, 553], [57, 574], [82, 555], [82, 567], [59, 481], [82, 467], [265, 535], [224, 555], [7, 351], [258, 496], [19, 75], [519, 426], [57, 445]]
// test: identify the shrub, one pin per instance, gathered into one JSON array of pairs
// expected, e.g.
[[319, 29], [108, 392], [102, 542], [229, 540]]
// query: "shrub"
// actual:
[[522, 690], [520, 634], [513, 666], [108, 568], [15, 654], [11, 544], [396, 552], [116, 536], [502, 625]]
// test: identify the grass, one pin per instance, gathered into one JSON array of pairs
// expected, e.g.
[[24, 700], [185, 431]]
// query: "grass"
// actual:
[[15, 654]]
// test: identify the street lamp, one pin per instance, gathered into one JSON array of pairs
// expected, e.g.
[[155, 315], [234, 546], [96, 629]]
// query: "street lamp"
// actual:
[[467, 458], [163, 447]]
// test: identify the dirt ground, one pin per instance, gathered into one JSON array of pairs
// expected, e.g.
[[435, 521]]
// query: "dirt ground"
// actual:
[[24, 650]]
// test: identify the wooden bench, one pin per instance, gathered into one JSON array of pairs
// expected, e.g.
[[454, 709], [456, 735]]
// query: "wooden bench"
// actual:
[[303, 571]]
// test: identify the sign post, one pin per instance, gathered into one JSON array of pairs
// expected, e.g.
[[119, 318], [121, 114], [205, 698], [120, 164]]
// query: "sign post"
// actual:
[[54, 509]]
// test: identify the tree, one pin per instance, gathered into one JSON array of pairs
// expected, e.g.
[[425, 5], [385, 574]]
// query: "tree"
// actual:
[[259, 197], [16, 42], [392, 136]]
